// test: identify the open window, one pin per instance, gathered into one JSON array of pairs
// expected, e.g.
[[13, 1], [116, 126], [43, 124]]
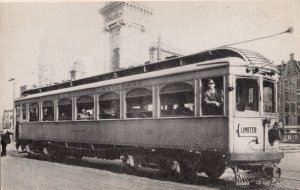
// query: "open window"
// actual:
[[34, 112], [247, 94], [139, 103], [85, 108], [269, 96], [109, 104], [177, 100], [24, 117], [65, 109], [213, 96], [48, 111]]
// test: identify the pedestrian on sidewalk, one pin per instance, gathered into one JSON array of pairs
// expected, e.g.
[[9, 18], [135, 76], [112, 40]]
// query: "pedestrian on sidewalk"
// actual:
[[5, 140]]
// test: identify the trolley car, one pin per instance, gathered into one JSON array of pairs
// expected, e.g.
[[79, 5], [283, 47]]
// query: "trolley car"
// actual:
[[155, 115]]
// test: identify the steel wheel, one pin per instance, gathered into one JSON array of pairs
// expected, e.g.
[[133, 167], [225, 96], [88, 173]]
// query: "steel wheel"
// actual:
[[78, 157], [28, 149], [130, 163], [182, 171], [214, 171], [45, 153], [55, 155]]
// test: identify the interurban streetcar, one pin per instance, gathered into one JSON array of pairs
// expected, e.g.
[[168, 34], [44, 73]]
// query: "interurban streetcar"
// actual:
[[155, 114]]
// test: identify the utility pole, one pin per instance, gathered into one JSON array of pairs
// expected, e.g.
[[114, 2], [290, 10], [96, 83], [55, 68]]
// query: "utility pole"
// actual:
[[13, 106], [159, 48]]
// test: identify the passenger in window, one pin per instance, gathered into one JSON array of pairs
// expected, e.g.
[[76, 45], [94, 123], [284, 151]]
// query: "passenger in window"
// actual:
[[84, 115], [63, 116], [33, 114], [182, 110], [213, 100]]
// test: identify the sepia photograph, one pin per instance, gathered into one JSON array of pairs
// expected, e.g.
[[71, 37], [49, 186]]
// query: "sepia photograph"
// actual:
[[150, 95]]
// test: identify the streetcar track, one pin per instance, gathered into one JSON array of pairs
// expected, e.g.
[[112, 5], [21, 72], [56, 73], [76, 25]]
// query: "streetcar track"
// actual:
[[290, 179]]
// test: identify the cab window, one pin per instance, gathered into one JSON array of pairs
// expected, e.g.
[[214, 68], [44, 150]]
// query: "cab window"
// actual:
[[247, 94], [269, 96]]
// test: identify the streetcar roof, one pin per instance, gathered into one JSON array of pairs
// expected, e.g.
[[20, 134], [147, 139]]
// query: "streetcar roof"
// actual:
[[188, 68], [177, 64]]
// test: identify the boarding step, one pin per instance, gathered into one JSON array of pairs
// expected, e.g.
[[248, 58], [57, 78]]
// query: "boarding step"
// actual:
[[251, 177]]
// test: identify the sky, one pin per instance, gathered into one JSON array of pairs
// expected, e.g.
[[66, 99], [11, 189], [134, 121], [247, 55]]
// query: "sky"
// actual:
[[61, 33]]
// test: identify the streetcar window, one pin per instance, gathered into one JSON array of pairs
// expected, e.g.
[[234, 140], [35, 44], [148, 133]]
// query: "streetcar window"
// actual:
[[64, 109], [48, 111], [177, 99], [247, 94], [24, 112], [269, 96], [109, 104], [213, 96], [85, 108], [139, 103], [33, 112]]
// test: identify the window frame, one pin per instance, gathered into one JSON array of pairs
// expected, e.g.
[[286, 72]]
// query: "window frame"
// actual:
[[126, 103], [286, 95], [243, 113], [293, 108], [99, 107], [201, 95], [188, 82], [286, 120], [26, 119], [286, 108], [91, 118], [274, 97], [38, 116], [58, 110], [42, 110]]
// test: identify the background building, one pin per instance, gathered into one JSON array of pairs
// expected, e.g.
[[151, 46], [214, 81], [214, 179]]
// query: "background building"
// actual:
[[7, 120], [289, 98], [131, 41]]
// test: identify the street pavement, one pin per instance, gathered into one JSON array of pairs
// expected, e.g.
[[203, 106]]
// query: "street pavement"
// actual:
[[18, 172]]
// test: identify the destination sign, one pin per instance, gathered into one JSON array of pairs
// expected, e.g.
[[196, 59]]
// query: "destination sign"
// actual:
[[246, 131]]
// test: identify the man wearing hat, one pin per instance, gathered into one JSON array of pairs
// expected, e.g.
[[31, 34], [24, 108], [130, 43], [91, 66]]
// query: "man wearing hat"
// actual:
[[213, 100], [5, 140]]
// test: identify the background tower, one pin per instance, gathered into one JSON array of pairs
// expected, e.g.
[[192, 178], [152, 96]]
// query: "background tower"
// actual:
[[127, 24]]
